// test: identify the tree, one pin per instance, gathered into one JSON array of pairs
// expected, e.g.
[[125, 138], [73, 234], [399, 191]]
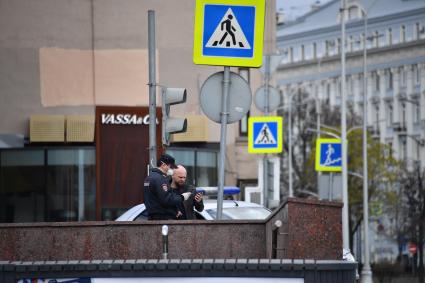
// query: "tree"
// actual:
[[381, 163], [413, 210]]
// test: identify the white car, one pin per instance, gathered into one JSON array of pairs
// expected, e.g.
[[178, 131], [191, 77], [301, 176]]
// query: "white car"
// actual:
[[232, 209]]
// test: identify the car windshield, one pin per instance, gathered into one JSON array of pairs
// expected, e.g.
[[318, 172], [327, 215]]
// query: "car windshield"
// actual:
[[241, 213]]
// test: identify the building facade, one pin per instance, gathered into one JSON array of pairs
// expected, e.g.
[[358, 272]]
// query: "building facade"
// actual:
[[60, 60], [395, 90]]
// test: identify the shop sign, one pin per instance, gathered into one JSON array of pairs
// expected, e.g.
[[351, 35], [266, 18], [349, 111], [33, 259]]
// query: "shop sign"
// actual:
[[125, 119]]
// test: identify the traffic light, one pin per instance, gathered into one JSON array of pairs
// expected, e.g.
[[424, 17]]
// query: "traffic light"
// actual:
[[170, 125]]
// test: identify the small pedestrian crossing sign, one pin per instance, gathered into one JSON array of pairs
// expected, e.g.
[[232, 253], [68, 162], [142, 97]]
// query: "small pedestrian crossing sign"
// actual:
[[265, 134], [229, 32], [328, 155]]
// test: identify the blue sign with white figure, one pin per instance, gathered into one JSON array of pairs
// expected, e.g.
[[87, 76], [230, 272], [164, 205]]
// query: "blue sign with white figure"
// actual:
[[229, 32], [265, 134], [328, 155]]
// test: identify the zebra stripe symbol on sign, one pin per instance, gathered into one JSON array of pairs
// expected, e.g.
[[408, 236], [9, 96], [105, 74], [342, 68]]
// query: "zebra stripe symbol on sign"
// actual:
[[228, 33], [265, 136]]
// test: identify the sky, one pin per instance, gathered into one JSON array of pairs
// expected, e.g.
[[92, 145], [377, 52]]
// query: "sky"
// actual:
[[296, 8]]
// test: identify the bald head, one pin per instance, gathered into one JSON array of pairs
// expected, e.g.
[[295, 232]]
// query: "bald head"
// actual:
[[179, 176]]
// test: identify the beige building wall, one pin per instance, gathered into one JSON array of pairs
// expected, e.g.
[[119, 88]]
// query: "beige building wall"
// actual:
[[64, 57]]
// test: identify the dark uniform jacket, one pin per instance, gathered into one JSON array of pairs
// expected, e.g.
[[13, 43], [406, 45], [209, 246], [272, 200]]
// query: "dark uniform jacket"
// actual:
[[161, 202], [187, 208]]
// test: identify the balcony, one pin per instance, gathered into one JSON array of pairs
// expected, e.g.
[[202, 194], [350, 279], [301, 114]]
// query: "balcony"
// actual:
[[389, 94], [375, 97], [400, 128], [402, 91], [416, 92]]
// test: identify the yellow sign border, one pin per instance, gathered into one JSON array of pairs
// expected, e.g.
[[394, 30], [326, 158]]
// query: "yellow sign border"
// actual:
[[255, 61], [251, 121], [319, 167]]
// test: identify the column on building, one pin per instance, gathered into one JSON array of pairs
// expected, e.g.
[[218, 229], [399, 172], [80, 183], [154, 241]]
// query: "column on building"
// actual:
[[319, 89], [356, 92], [396, 102], [333, 89], [421, 69], [382, 109], [396, 111], [409, 108], [369, 93]]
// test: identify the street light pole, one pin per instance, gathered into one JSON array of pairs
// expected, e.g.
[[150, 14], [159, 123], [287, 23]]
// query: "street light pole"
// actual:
[[366, 274], [345, 222], [291, 192]]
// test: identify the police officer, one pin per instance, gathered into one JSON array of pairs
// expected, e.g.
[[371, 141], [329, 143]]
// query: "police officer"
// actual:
[[161, 203]]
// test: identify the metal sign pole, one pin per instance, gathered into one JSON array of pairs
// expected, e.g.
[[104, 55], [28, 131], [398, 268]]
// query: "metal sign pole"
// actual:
[[266, 113], [152, 88], [223, 133]]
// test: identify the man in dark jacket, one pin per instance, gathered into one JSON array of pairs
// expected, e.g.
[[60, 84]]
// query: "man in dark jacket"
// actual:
[[161, 202], [179, 186]]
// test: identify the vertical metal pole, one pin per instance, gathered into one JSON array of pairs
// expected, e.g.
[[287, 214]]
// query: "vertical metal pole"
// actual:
[[366, 274], [319, 111], [81, 188], [223, 133], [152, 88], [331, 184], [291, 194], [266, 112], [345, 224]]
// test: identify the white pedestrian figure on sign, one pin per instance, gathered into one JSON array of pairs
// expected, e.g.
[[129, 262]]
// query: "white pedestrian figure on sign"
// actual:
[[329, 152], [265, 138]]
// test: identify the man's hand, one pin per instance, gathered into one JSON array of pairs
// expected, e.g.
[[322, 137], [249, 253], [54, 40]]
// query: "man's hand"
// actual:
[[186, 195], [198, 197], [179, 214]]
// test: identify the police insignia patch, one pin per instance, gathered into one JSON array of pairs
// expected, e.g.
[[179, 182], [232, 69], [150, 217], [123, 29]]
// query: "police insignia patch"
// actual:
[[165, 187]]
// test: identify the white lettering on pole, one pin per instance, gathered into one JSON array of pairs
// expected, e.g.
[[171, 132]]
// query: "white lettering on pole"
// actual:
[[125, 119]]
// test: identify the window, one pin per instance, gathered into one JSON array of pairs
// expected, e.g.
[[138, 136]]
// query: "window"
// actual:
[[403, 148], [328, 92], [47, 184], [389, 79], [402, 34], [416, 75], [314, 50], [377, 117], [403, 115], [375, 80], [403, 77], [201, 164], [353, 12], [70, 184], [390, 149], [417, 28], [416, 112], [351, 86], [390, 115], [375, 39], [302, 50], [297, 54], [396, 36], [390, 36]]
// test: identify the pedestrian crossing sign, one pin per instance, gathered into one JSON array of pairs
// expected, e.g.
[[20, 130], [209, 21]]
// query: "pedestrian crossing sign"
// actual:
[[328, 155], [229, 32], [265, 134]]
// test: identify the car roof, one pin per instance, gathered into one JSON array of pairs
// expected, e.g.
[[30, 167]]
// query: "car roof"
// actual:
[[212, 203]]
